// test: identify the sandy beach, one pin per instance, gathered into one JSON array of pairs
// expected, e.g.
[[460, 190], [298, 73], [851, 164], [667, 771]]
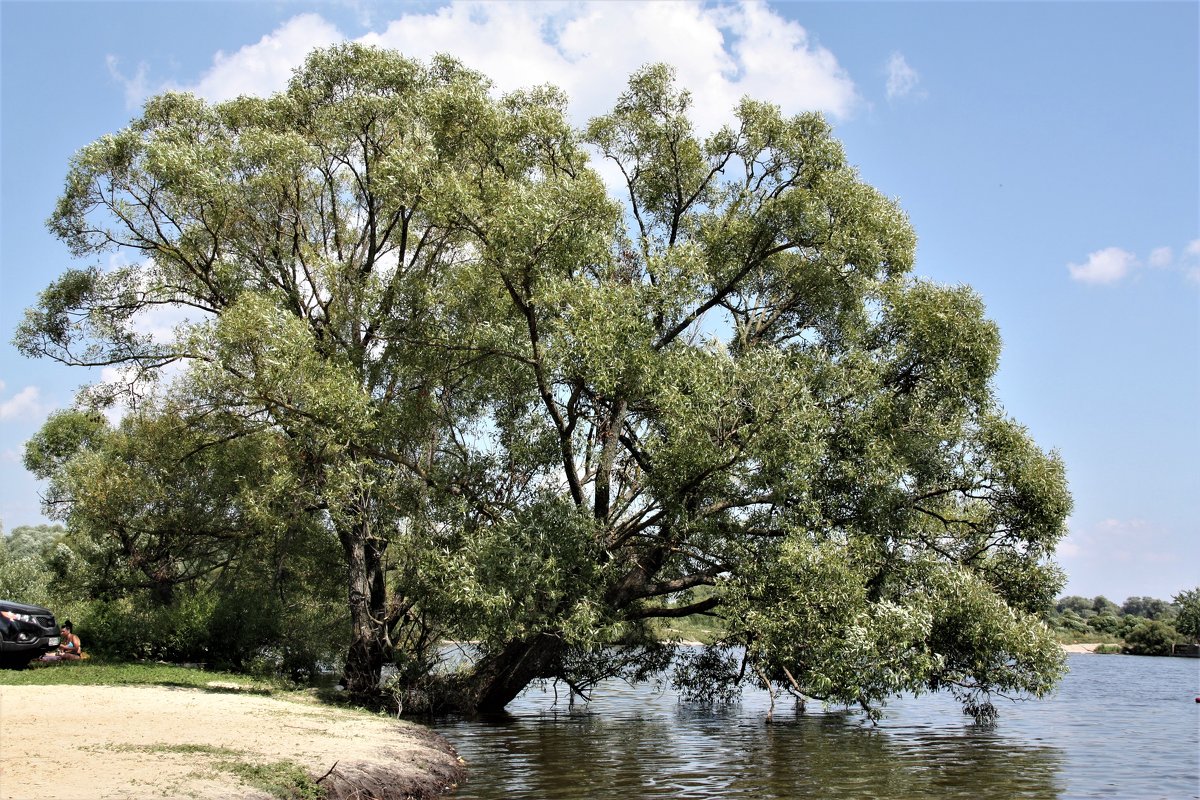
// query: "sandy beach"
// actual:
[[91, 742]]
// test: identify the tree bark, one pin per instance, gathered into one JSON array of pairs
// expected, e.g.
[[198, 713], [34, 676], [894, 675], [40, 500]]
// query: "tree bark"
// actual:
[[496, 681], [368, 617]]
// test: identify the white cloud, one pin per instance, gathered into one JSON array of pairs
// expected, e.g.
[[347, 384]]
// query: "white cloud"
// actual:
[[24, 405], [265, 66], [1104, 266], [1161, 257], [902, 80], [588, 49], [1113, 264], [721, 53]]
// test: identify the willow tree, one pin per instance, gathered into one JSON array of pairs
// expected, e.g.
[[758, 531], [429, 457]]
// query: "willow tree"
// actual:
[[578, 410]]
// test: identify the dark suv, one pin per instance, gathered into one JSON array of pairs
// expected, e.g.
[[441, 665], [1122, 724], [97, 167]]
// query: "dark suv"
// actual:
[[25, 633]]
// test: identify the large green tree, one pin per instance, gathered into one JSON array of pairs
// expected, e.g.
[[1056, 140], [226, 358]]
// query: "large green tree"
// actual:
[[572, 411]]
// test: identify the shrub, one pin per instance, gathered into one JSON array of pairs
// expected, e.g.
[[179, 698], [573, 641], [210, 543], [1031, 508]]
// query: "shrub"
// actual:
[[1104, 623], [1150, 638], [227, 630], [133, 628]]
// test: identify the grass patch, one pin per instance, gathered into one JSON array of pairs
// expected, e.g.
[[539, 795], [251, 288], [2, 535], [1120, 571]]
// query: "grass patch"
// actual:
[[146, 673], [696, 628], [283, 779], [180, 749], [91, 673], [190, 749]]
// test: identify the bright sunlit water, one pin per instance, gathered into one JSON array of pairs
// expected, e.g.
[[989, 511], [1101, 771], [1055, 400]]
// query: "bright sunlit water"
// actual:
[[1118, 727]]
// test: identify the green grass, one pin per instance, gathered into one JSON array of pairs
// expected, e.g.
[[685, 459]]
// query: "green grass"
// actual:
[[183, 749], [96, 673], [283, 779], [696, 628]]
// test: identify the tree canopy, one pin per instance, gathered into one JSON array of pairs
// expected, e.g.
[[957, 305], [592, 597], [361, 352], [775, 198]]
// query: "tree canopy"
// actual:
[[540, 412]]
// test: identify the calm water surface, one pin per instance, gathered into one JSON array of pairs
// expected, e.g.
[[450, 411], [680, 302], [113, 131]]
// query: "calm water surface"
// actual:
[[1119, 727]]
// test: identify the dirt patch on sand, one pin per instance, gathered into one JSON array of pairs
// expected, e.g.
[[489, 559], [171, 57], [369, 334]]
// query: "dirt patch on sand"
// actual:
[[135, 742]]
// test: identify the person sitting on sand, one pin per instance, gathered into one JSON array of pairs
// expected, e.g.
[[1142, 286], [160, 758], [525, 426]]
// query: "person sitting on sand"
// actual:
[[69, 647]]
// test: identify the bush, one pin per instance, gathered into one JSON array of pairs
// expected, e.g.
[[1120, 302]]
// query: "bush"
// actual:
[[1104, 623], [231, 630], [1150, 638], [133, 628], [1073, 622]]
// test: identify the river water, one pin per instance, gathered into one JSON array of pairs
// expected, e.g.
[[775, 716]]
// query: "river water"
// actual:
[[1118, 727]]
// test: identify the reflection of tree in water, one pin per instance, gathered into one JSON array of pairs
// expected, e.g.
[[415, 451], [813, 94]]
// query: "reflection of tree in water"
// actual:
[[833, 757], [716, 753]]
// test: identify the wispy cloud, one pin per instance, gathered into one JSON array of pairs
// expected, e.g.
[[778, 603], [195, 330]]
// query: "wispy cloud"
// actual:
[[1114, 542], [137, 87], [1161, 257], [1191, 265], [902, 79], [721, 52], [1125, 557]]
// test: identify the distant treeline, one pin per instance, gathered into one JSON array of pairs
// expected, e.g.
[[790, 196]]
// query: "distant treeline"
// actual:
[[1143, 625]]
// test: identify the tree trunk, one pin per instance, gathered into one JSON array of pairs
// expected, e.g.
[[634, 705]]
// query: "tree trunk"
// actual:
[[496, 681], [368, 597]]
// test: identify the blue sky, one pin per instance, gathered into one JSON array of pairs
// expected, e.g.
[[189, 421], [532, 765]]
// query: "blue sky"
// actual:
[[1047, 154]]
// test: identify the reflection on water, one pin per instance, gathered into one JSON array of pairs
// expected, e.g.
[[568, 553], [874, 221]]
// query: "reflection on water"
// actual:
[[1120, 727]]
